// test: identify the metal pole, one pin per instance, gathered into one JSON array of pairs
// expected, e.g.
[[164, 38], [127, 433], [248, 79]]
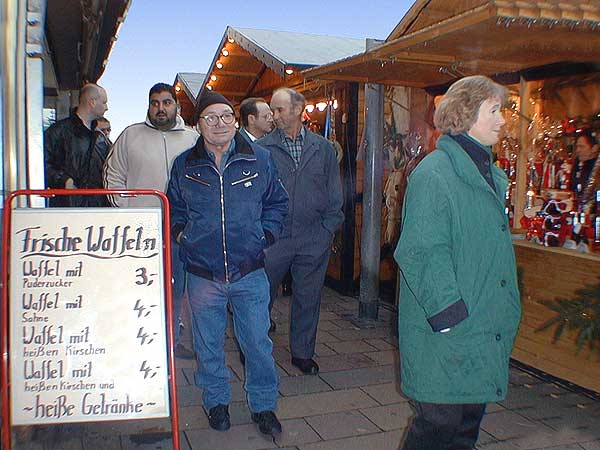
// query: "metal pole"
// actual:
[[371, 204]]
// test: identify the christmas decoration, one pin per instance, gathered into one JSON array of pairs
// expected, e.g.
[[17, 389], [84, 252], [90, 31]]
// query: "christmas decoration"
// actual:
[[580, 314]]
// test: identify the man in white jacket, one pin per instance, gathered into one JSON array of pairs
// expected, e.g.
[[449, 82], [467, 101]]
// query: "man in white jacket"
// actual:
[[141, 158]]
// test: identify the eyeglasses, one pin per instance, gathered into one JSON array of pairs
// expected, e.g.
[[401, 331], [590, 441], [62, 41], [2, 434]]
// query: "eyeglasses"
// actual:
[[212, 119]]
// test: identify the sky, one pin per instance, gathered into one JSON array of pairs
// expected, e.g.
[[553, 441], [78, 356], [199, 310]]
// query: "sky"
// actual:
[[160, 39]]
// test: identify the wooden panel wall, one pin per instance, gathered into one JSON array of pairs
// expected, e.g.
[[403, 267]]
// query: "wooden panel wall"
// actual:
[[550, 273]]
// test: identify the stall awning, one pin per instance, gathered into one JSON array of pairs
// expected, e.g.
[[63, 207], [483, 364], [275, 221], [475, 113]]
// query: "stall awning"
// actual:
[[250, 61], [497, 37], [190, 83], [80, 37]]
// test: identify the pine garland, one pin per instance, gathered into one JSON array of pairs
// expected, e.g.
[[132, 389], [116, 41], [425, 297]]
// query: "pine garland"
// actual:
[[580, 314]]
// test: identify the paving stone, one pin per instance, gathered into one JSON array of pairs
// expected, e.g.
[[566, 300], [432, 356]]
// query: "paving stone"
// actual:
[[392, 340], [563, 447], [496, 445], [341, 424], [324, 350], [494, 407], [188, 373], [518, 377], [280, 340], [351, 347], [295, 432], [192, 417], [327, 325], [366, 333], [572, 417], [359, 377], [100, 442], [344, 324], [385, 357], [380, 441], [523, 397], [246, 437], [390, 417], [591, 445], [328, 315], [305, 384], [380, 344], [325, 336], [189, 395], [152, 442], [323, 403], [344, 362], [239, 413], [510, 425], [385, 394]]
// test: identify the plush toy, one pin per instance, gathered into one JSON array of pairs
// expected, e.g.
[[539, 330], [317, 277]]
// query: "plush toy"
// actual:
[[557, 224]]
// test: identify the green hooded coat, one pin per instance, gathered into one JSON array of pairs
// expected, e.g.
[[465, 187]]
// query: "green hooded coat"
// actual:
[[456, 244]]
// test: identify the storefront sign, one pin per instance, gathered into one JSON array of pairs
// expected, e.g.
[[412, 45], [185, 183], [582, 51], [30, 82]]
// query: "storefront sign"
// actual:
[[87, 318]]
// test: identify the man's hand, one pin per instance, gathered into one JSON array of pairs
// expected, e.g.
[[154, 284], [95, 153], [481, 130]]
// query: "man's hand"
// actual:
[[69, 184]]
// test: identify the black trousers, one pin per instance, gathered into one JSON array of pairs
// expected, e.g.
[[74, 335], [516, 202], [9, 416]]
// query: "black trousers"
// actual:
[[443, 426]]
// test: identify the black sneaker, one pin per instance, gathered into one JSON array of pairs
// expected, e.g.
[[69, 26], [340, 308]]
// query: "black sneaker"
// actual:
[[218, 418], [267, 422]]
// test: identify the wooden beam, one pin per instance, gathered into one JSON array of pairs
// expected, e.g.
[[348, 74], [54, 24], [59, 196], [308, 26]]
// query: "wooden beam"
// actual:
[[232, 73], [255, 80]]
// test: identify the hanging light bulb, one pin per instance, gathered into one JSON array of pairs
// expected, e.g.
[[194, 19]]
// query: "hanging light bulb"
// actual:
[[213, 78], [209, 87], [219, 65], [231, 40], [225, 52], [177, 88], [335, 103], [289, 71], [310, 108], [321, 106]]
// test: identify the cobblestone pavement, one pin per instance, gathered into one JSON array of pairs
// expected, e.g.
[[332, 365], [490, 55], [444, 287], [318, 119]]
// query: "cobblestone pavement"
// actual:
[[353, 404]]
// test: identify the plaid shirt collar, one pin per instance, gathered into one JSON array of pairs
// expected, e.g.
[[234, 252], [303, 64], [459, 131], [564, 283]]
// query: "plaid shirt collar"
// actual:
[[294, 146]]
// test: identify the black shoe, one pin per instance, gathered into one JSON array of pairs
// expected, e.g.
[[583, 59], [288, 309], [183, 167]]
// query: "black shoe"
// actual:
[[218, 418], [306, 366], [286, 291], [242, 358], [183, 352], [272, 327], [267, 422]]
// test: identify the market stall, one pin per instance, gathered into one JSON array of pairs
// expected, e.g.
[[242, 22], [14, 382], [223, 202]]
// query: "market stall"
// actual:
[[546, 53]]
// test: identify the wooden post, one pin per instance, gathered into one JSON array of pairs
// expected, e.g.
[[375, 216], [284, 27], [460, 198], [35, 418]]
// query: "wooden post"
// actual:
[[520, 191], [371, 206]]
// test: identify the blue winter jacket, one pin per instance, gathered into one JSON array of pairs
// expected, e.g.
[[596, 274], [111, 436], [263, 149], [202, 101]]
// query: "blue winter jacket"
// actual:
[[227, 219]]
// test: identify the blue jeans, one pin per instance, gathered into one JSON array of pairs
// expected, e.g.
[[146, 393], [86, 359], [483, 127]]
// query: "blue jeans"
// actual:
[[178, 289], [249, 299]]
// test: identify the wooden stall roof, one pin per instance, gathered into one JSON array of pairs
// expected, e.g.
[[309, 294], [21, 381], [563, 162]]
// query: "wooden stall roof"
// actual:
[[80, 37], [190, 83], [187, 85], [251, 61], [498, 36]]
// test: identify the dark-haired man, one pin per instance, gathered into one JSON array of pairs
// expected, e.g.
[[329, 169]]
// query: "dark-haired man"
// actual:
[[227, 206], [309, 170], [74, 152], [141, 158], [256, 118]]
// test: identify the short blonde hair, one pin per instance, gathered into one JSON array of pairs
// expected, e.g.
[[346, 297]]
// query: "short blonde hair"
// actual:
[[457, 111]]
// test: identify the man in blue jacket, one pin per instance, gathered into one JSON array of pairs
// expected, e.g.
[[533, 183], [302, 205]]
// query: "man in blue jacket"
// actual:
[[310, 173], [227, 206]]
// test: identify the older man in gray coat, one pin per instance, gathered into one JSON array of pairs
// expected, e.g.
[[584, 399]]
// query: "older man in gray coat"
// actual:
[[308, 167]]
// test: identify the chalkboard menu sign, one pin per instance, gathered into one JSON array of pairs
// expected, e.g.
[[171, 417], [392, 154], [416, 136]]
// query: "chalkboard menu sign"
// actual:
[[87, 316]]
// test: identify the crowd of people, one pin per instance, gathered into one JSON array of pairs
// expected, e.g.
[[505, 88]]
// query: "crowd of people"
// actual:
[[249, 205]]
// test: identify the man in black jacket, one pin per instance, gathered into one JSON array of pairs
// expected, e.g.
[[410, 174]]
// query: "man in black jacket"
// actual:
[[74, 152]]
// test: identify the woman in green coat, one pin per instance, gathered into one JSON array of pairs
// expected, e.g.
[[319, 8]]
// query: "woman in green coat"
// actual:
[[459, 306]]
